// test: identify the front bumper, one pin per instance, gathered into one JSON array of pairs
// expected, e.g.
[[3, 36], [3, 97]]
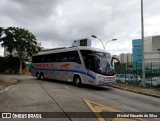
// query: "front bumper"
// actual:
[[105, 80]]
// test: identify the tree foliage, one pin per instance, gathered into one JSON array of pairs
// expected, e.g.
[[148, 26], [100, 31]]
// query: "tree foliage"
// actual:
[[7, 66], [19, 41], [1, 29]]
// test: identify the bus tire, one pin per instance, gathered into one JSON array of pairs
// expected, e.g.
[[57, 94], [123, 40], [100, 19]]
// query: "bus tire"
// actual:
[[38, 75], [42, 76], [77, 81]]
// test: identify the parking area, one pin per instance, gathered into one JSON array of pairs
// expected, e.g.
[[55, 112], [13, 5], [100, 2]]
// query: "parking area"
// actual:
[[136, 79]]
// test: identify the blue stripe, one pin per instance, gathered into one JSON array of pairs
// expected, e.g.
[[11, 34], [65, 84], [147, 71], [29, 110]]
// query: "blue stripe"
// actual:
[[68, 70]]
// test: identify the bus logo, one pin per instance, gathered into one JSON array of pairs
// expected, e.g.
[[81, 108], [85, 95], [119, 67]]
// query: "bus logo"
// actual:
[[64, 65]]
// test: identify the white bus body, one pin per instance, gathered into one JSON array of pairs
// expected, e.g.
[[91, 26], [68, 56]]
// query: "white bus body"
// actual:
[[80, 65]]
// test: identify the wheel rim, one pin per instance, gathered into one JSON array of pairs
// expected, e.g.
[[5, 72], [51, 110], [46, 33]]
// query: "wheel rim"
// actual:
[[37, 76], [42, 76], [77, 82]]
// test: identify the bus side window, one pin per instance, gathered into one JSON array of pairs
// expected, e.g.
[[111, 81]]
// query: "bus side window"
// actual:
[[53, 57], [48, 59], [42, 59], [64, 57], [57, 57], [90, 63], [74, 57]]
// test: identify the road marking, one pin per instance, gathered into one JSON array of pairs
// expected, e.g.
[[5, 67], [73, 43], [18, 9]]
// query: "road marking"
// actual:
[[98, 108]]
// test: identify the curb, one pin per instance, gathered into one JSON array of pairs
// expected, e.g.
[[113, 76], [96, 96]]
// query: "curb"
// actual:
[[12, 83], [16, 81], [135, 91]]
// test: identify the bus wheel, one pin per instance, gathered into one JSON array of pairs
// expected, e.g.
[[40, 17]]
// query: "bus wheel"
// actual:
[[77, 81], [38, 76], [42, 76]]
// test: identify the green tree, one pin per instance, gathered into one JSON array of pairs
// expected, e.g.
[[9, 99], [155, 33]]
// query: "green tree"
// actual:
[[20, 43], [7, 66], [1, 31]]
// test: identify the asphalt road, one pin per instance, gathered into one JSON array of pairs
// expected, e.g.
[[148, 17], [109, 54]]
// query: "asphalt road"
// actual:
[[31, 95]]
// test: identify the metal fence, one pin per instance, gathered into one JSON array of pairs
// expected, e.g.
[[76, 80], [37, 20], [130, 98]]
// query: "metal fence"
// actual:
[[132, 73]]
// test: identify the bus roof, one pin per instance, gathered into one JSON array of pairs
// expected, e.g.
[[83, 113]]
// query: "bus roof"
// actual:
[[66, 49]]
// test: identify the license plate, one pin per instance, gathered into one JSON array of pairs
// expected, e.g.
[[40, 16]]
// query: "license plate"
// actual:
[[109, 78]]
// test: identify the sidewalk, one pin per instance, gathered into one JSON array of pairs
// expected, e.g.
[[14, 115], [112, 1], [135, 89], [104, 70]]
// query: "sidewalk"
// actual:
[[137, 89], [5, 82]]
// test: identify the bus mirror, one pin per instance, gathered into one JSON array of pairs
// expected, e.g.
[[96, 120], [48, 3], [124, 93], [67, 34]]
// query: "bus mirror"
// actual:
[[99, 70], [112, 62]]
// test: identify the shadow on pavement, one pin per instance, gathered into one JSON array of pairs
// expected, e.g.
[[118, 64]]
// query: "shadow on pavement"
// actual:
[[83, 86]]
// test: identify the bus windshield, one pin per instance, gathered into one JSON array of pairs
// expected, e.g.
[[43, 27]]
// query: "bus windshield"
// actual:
[[98, 62], [103, 61]]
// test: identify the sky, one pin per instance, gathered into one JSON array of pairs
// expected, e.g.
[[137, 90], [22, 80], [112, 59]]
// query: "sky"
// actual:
[[56, 23]]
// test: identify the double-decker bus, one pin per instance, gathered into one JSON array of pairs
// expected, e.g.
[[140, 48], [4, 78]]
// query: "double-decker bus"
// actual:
[[80, 65]]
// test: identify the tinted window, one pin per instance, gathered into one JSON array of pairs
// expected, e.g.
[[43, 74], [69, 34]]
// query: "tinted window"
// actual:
[[71, 56], [98, 62], [89, 60]]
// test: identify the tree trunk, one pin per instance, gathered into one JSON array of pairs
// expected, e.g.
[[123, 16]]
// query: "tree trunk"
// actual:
[[20, 69]]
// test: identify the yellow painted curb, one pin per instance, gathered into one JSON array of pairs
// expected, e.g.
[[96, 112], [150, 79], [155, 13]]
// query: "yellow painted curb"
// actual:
[[136, 91]]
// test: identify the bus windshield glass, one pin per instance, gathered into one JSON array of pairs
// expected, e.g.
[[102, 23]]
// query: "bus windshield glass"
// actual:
[[103, 63], [98, 62]]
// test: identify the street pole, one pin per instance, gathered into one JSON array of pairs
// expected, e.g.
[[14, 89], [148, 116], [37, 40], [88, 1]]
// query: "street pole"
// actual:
[[109, 41], [102, 42], [159, 58], [142, 27]]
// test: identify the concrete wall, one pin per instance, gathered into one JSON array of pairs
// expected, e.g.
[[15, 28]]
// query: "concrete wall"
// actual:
[[151, 47], [123, 58]]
